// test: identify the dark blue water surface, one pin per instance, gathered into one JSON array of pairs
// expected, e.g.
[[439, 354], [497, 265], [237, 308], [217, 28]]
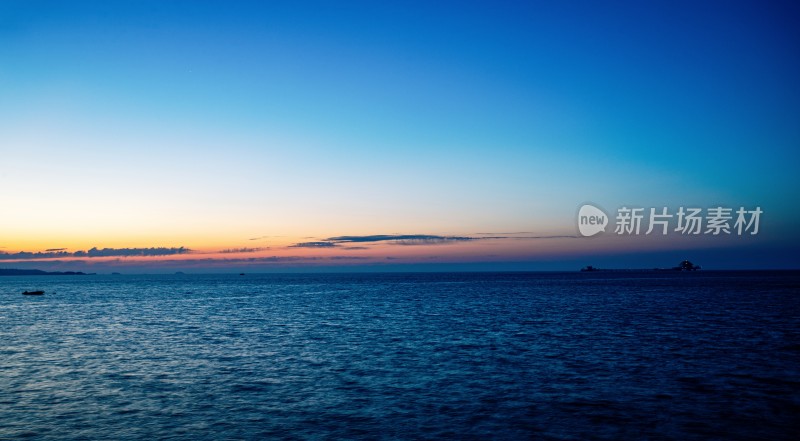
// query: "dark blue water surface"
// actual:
[[402, 356]]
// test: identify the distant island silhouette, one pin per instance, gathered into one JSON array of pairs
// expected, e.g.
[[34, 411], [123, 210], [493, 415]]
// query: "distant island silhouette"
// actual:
[[35, 272]]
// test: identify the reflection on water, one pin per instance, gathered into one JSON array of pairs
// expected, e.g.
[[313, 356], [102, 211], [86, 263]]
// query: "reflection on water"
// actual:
[[548, 356]]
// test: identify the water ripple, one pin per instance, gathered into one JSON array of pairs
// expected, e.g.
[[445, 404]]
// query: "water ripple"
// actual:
[[388, 356]]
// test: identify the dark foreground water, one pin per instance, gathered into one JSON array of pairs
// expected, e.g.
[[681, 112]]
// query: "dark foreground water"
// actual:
[[399, 356]]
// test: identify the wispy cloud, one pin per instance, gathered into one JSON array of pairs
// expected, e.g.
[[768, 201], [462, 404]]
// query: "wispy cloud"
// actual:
[[242, 250], [154, 251], [269, 259], [417, 239], [38, 255], [431, 240], [400, 239], [322, 244], [264, 260], [503, 234], [94, 252], [529, 236], [262, 237], [396, 239]]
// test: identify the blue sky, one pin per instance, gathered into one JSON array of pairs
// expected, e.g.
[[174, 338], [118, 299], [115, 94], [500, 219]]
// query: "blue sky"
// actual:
[[202, 124]]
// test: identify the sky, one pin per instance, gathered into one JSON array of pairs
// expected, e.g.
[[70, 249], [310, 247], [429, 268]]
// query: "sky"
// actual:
[[152, 136]]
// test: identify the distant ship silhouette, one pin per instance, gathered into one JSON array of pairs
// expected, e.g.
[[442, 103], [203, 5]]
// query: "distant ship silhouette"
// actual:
[[683, 266], [686, 266]]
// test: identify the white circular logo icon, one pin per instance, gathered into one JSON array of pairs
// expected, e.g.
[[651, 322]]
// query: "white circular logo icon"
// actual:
[[591, 220]]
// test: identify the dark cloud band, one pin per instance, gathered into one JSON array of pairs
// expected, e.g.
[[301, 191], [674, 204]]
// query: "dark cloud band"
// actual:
[[95, 252]]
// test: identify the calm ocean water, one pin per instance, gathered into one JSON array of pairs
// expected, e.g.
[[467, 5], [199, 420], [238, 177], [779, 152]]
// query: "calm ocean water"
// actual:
[[402, 356]]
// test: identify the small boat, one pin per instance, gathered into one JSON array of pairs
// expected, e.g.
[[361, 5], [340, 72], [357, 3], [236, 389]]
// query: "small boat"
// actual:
[[33, 293]]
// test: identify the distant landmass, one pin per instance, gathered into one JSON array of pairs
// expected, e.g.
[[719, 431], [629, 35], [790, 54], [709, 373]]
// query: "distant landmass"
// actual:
[[35, 272]]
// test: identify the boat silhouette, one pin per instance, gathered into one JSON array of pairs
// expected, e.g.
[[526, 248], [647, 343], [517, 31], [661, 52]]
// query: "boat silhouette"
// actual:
[[686, 266], [683, 266], [33, 293]]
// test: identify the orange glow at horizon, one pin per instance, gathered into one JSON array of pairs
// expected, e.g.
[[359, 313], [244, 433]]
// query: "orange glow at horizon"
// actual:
[[280, 251]]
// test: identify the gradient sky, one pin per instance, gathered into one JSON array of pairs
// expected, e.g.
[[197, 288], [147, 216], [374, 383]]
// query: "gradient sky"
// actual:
[[239, 130]]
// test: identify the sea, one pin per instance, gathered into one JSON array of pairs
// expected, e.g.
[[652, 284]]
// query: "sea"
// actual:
[[552, 356]]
